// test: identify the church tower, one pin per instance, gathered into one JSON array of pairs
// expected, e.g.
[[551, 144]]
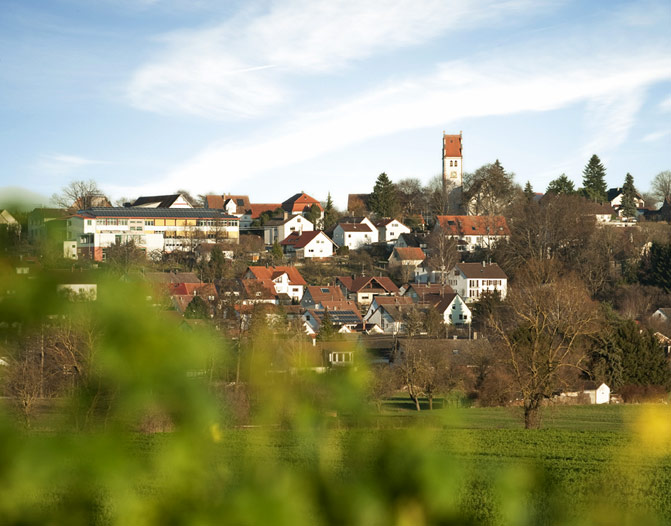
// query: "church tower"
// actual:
[[452, 171]]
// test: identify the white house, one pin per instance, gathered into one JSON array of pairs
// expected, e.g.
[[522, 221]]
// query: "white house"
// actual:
[[280, 229], [453, 310], [472, 280], [615, 195], [312, 244], [472, 232], [378, 301], [389, 230], [355, 235], [283, 279]]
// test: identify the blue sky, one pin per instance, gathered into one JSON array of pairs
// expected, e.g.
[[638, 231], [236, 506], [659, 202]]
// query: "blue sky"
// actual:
[[269, 98]]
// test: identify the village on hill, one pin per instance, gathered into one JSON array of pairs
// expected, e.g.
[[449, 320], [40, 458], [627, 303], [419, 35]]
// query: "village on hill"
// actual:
[[438, 275]]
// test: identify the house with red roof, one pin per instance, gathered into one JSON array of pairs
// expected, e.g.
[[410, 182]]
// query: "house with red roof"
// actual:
[[313, 244], [284, 279], [302, 203], [315, 296], [364, 288], [280, 229], [406, 256], [472, 232]]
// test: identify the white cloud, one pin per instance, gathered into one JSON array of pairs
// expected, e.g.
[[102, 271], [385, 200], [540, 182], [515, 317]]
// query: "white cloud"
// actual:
[[655, 136], [240, 67], [62, 164], [484, 89]]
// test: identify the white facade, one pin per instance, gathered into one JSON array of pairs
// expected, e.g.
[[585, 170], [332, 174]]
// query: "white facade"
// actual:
[[319, 247], [600, 395], [280, 230], [284, 286], [389, 232], [164, 234], [343, 235], [457, 312], [470, 286]]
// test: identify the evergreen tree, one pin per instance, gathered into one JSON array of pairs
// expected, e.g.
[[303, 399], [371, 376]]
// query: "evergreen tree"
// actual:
[[330, 214], [529, 191], [594, 180], [384, 200], [655, 268], [628, 197], [276, 253], [561, 185], [197, 308], [327, 330]]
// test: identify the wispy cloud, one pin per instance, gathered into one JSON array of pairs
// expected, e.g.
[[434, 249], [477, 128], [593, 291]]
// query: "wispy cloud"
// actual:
[[606, 83], [62, 164], [241, 67], [655, 136]]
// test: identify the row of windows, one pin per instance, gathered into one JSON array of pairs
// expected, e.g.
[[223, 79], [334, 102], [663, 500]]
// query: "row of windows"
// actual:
[[455, 163]]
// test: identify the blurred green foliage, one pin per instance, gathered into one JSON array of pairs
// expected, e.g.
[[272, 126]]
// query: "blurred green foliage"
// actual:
[[150, 436]]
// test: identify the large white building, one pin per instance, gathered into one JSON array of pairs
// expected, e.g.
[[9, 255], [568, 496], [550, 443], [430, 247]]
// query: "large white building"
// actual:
[[151, 229]]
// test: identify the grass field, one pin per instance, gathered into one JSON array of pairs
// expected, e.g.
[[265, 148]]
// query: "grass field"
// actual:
[[586, 466], [589, 465]]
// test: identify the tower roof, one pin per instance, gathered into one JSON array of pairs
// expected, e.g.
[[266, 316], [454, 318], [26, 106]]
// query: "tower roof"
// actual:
[[451, 145]]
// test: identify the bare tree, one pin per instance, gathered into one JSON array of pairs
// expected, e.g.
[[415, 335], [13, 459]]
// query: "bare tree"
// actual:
[[79, 195], [543, 330], [661, 185], [443, 254]]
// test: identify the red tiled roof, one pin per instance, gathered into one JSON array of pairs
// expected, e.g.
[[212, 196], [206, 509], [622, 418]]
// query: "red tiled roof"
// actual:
[[258, 208], [410, 253], [452, 145], [214, 201], [301, 240], [478, 270], [474, 225], [425, 289], [271, 273], [362, 282], [299, 203], [331, 293], [340, 305]]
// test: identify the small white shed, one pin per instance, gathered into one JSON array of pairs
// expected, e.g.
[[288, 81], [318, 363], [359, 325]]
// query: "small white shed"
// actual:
[[600, 395]]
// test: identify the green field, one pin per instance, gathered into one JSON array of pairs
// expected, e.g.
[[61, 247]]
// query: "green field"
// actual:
[[585, 467]]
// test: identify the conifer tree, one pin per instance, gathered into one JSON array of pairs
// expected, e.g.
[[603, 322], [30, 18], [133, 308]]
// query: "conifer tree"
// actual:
[[384, 199], [561, 185], [594, 180], [628, 197], [529, 191], [330, 214], [327, 330]]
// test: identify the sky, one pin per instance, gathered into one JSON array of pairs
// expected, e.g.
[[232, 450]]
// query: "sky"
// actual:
[[270, 98]]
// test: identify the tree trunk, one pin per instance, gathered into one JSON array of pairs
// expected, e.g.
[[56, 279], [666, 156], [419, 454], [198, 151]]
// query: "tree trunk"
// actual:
[[532, 415], [430, 397]]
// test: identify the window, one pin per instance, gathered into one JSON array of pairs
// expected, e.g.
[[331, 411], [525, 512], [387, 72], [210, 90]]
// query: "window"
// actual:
[[149, 222], [89, 222]]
